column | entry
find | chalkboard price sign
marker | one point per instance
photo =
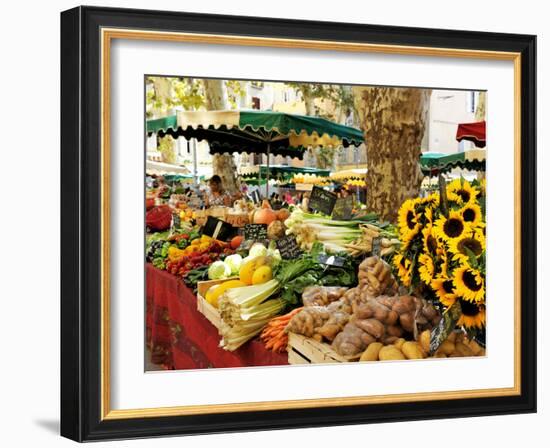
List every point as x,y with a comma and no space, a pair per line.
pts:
343,208
288,247
331,260
321,201
218,229
255,232
445,327
376,246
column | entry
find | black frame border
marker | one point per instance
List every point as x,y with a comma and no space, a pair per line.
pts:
81,223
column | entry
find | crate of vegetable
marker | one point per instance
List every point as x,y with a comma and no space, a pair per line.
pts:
304,350
207,290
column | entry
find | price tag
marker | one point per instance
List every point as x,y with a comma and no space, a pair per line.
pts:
376,246
331,260
343,208
256,196
321,201
218,229
288,247
445,327
255,232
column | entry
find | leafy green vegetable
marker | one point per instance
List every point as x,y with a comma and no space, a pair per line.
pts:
297,274
159,263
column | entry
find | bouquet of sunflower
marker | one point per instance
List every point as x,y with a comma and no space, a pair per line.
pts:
442,255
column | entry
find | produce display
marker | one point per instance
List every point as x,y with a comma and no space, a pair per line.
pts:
362,289
354,237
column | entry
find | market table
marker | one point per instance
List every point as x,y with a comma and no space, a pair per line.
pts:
182,338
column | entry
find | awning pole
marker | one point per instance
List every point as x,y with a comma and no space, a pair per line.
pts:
195,169
267,174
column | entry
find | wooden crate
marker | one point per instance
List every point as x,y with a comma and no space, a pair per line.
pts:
207,310
302,350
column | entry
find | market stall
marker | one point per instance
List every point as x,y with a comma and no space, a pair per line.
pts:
259,132
435,163
473,132
304,284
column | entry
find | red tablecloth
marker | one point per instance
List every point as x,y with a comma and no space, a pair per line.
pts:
182,338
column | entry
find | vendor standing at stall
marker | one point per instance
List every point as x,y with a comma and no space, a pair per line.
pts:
216,196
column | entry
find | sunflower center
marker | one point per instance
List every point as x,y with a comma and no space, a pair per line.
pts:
470,244
470,281
469,215
448,286
464,195
468,308
410,220
453,227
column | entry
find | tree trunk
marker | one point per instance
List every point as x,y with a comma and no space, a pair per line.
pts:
393,121
222,164
481,106
309,102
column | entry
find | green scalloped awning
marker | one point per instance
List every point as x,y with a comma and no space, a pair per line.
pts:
434,163
285,172
255,131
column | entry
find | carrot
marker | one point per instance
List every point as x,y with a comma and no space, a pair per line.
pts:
280,344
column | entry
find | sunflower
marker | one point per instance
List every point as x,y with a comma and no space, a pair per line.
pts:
473,314
443,257
472,243
426,269
430,243
452,227
469,283
483,187
471,213
444,290
408,220
403,266
461,192
431,200
428,215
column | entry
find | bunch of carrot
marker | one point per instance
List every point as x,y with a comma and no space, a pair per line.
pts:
274,336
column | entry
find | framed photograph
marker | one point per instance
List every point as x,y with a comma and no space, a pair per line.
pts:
278,224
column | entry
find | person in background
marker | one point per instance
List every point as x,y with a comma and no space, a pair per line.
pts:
341,191
216,196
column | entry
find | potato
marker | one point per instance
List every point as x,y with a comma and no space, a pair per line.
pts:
407,322
447,347
424,340
394,330
411,350
390,340
367,339
372,326
392,317
463,349
381,313
390,353
403,305
476,348
399,343
452,337
439,355
482,352
371,353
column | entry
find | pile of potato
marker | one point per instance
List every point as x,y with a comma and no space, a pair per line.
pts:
456,345
321,322
322,295
384,319
375,278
